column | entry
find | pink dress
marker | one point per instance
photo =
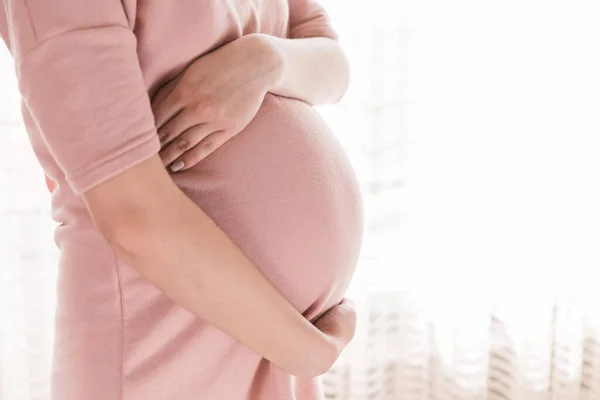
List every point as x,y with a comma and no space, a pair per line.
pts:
282,189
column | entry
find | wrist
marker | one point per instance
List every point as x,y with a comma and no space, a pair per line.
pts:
269,61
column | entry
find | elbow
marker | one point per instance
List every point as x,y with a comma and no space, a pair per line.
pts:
135,244
116,237
337,81
317,363
343,76
107,228
123,232
345,72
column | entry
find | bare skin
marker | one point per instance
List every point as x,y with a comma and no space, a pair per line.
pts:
164,235
218,95
172,243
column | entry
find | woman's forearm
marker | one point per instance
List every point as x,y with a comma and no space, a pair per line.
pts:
314,70
176,246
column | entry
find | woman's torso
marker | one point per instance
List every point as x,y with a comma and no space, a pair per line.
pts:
282,189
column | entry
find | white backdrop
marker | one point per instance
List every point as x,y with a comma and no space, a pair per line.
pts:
474,127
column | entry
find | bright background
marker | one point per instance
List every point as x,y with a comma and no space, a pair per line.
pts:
475,130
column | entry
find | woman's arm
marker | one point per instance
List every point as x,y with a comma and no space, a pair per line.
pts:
308,65
313,66
84,94
314,70
173,244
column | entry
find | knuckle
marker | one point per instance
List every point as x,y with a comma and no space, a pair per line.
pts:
210,111
222,115
183,144
208,145
163,136
198,107
205,109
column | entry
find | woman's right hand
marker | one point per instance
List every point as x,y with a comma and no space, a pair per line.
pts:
339,323
213,99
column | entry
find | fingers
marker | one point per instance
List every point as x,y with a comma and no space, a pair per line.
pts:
347,314
344,306
345,309
166,109
184,143
340,321
200,151
177,126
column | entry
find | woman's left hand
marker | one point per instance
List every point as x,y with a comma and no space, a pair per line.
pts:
212,100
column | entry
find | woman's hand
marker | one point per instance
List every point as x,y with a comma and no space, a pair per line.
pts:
339,324
213,99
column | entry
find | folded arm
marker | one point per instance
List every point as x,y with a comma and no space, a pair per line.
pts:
82,85
175,245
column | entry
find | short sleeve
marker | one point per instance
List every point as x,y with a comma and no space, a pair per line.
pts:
308,18
82,85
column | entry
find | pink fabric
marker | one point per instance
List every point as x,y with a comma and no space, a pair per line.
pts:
282,189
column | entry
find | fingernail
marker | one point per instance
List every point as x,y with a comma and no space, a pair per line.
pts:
176,166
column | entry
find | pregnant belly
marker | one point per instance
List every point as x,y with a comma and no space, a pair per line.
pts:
285,193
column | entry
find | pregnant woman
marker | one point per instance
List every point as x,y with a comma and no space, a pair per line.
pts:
206,213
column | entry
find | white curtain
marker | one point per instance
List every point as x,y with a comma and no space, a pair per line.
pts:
472,344
474,128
